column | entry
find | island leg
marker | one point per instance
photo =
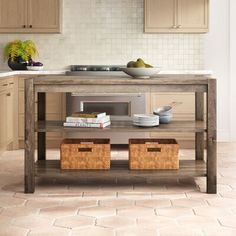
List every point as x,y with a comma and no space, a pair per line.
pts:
41,117
199,116
211,138
29,137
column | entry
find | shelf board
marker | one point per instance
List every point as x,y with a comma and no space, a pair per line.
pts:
119,168
124,126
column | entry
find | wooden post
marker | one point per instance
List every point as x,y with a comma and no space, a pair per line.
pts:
29,137
211,138
41,117
199,115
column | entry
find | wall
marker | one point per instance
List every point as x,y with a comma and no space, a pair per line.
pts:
216,57
111,32
232,82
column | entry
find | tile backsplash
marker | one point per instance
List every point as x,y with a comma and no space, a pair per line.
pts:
110,32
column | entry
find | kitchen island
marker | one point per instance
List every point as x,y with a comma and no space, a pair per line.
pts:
200,85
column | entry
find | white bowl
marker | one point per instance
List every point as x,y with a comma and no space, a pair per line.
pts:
163,111
141,73
35,68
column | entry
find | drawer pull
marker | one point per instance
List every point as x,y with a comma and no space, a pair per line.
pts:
4,85
8,94
154,149
84,149
12,83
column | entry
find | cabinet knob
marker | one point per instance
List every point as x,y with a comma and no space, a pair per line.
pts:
8,94
31,26
4,85
24,26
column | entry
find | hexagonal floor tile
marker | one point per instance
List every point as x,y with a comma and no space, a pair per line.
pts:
80,203
19,211
12,231
212,211
52,231
180,231
219,231
58,211
33,221
155,222
175,212
92,231
6,201
154,203
136,231
198,221
228,221
98,211
117,203
44,203
115,222
189,202
136,211
222,202
74,221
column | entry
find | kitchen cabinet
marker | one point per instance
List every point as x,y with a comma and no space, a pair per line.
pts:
30,16
6,111
188,168
176,16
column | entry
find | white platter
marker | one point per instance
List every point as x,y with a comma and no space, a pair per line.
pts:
35,68
141,73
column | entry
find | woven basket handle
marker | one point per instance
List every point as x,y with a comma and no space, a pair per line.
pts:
84,149
156,149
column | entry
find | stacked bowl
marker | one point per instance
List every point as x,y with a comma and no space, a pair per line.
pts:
145,120
164,113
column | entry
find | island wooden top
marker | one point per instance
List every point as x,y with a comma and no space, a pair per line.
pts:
124,80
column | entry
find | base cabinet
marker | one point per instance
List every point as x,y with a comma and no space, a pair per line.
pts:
6,113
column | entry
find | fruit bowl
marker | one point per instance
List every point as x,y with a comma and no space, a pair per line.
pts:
141,73
35,68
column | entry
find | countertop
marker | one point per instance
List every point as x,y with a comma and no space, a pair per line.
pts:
62,72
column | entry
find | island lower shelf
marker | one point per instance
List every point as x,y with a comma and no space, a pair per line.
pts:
124,126
119,168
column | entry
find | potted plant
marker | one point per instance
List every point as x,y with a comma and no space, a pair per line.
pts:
19,54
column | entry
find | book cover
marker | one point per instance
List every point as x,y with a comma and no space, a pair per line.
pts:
86,125
89,115
88,120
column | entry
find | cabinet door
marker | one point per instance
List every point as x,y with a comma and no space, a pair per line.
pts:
2,120
44,15
9,115
192,15
12,15
160,15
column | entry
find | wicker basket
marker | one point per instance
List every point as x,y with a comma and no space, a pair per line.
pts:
149,154
85,154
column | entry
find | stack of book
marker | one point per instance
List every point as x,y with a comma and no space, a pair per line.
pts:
88,120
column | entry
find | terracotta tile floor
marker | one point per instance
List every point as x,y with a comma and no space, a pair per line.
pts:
118,207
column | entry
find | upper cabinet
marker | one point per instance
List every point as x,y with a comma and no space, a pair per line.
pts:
176,16
30,16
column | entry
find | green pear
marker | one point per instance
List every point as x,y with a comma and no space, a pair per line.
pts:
148,66
130,64
139,64
140,60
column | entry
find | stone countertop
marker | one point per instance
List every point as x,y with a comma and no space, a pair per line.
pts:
62,72
27,72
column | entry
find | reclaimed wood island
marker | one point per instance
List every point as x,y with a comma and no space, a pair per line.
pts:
199,85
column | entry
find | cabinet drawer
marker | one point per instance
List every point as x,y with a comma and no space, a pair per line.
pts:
183,104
